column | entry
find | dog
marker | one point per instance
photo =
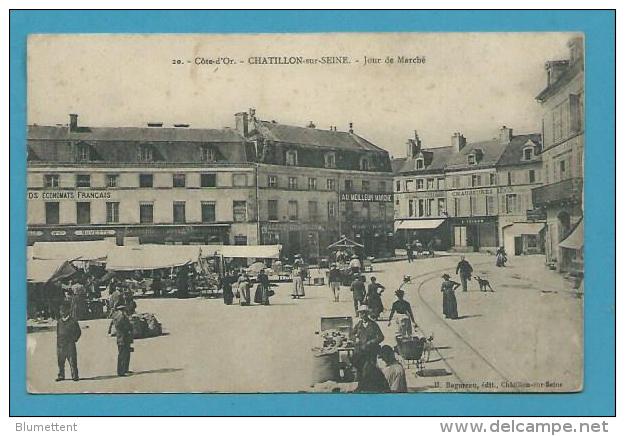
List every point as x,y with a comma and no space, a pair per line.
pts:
484,284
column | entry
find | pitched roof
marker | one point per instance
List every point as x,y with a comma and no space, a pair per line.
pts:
314,137
513,153
491,152
397,163
119,144
566,77
440,157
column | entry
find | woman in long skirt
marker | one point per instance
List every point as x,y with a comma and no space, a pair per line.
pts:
450,306
298,282
244,290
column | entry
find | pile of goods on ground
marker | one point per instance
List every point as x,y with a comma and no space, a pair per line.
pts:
331,341
144,325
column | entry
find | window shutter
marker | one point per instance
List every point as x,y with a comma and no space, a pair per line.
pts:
574,113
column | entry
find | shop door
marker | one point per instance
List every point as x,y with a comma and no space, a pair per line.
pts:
518,245
473,237
460,236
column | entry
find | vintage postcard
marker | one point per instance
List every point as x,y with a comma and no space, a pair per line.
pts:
331,212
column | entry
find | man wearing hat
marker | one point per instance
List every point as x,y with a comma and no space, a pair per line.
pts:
358,291
124,337
334,278
67,334
367,339
464,270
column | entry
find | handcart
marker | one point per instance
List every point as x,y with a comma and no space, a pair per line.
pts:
414,351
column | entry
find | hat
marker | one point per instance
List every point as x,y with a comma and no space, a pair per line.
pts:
399,292
386,350
354,256
363,308
446,276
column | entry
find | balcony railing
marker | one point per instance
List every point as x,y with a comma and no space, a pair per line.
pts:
570,190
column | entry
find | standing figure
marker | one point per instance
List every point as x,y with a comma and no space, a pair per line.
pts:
124,338
367,339
394,371
157,284
226,286
409,252
244,289
405,317
298,280
501,257
464,270
450,306
373,298
355,265
182,282
358,291
67,334
262,289
115,296
334,278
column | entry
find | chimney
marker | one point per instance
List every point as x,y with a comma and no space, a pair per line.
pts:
458,141
155,124
505,135
351,127
241,119
252,113
413,146
73,122
576,49
555,69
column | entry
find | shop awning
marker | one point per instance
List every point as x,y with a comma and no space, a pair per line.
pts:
42,271
575,241
524,228
153,256
83,250
344,242
243,251
418,224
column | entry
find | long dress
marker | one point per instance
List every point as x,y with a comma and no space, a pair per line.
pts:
298,282
374,301
450,306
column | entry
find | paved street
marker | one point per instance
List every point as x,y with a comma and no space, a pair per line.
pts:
528,331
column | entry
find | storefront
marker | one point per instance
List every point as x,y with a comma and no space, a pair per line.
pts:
474,233
524,238
427,231
377,238
309,240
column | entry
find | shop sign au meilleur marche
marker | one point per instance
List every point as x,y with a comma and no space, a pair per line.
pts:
372,197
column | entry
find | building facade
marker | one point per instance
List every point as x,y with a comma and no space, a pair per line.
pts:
156,184
561,198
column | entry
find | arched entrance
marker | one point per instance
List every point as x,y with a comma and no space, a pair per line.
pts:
564,225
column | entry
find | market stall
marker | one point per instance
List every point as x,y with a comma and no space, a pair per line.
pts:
45,294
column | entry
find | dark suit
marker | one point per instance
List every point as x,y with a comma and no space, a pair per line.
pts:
123,333
67,334
358,293
464,269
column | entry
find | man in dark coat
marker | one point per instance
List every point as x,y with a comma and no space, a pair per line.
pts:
67,334
464,270
358,291
123,334
367,338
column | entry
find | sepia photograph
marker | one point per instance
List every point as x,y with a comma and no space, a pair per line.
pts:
305,213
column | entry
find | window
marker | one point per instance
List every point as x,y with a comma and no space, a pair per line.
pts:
441,207
532,241
441,183
208,154
456,207
364,164
240,240
331,184
472,205
476,180
411,209
179,180
492,179
382,211
208,212
331,210
430,184
330,160
292,182
455,182
51,181
146,180
208,180
562,169
82,153
145,154
575,113
421,207
420,163
313,210
410,185
365,210
239,180
510,178
291,157
52,212
382,186
146,213
349,186
83,180
419,184
528,153
293,210
471,159
239,211
272,210
312,184
365,185
398,186
511,203
179,212
83,213
272,181
112,212
111,180
490,205
531,176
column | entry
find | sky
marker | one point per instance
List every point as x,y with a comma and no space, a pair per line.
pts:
470,82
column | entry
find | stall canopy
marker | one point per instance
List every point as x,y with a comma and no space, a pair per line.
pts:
43,271
344,242
242,251
524,228
149,257
83,250
418,224
575,241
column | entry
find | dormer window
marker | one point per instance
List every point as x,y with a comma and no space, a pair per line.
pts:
330,160
420,163
83,153
471,159
145,153
364,164
291,157
528,153
208,154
